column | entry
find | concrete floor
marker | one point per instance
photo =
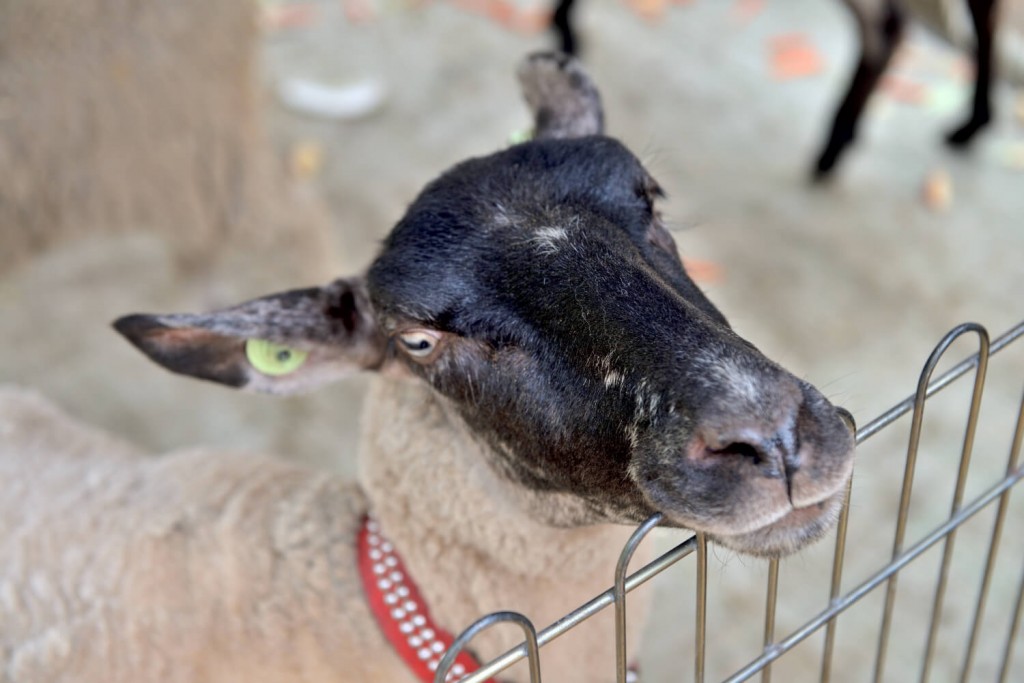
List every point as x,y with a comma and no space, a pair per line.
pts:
849,285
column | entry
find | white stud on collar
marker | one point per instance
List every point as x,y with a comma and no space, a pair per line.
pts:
412,624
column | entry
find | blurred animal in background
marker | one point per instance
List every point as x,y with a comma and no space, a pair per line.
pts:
545,373
134,146
121,118
881,25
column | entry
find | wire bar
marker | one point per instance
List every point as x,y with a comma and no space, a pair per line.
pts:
769,613
620,593
1011,637
944,380
878,578
836,584
993,548
482,624
908,475
958,496
702,608
584,612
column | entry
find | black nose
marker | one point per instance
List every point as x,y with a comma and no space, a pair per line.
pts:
775,450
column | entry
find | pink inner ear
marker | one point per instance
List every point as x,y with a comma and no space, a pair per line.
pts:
177,336
187,340
192,351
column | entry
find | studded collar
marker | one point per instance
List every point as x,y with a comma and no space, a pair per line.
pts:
402,615
400,611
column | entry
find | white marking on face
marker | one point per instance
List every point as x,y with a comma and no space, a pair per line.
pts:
500,217
612,379
642,399
652,403
633,434
647,403
738,382
549,240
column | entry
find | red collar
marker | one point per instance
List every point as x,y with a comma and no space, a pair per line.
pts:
402,615
400,611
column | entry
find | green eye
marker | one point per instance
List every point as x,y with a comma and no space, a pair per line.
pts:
273,359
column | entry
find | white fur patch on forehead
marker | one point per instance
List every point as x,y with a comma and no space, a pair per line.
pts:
549,240
500,216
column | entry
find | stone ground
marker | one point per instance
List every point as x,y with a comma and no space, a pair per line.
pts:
850,285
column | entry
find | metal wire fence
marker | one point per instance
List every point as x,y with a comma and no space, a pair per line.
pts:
837,601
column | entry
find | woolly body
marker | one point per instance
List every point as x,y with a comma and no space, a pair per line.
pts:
220,566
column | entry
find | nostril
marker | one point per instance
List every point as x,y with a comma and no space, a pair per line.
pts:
744,450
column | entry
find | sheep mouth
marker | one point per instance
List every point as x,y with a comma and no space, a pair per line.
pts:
777,528
741,508
794,530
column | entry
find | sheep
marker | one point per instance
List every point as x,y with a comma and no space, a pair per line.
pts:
880,25
545,375
124,117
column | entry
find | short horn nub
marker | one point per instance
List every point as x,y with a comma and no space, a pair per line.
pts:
564,101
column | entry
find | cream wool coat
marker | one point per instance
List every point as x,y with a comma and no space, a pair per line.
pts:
216,566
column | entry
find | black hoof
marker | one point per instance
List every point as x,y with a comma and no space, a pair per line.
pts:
962,136
825,165
842,136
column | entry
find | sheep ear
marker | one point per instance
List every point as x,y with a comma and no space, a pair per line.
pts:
564,100
283,343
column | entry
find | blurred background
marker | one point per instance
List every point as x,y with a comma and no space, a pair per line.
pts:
186,155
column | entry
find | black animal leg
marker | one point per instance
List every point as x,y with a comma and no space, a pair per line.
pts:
983,16
879,39
561,22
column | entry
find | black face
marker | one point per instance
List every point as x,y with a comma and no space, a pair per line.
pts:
538,292
567,333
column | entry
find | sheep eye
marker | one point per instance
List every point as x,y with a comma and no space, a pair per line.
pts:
273,359
418,343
